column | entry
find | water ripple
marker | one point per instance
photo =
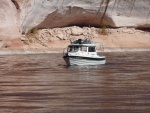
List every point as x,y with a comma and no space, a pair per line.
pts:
44,84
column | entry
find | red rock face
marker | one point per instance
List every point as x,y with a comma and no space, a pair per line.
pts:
20,16
114,13
9,27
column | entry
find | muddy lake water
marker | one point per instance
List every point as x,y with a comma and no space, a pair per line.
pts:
42,83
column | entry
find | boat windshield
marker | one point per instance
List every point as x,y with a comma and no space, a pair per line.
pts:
91,49
73,48
77,48
83,48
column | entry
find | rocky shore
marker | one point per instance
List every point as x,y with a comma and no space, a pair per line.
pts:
56,39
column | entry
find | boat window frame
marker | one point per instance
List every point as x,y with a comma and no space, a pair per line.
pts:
77,48
73,48
82,48
90,49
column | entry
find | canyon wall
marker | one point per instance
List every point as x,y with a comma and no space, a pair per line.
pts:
19,16
9,19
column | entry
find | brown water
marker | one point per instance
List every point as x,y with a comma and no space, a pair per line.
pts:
42,83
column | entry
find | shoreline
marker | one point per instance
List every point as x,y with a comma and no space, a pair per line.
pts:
50,40
24,52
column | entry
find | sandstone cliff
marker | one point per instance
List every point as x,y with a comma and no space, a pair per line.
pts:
9,21
20,16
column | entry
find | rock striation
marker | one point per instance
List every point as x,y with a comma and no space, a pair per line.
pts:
20,16
60,13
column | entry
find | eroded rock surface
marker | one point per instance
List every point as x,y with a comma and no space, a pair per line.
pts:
60,13
122,38
20,16
9,26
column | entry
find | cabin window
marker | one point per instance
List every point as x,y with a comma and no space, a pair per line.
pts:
91,49
76,48
70,48
73,48
83,48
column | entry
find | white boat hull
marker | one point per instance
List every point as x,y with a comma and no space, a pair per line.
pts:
84,60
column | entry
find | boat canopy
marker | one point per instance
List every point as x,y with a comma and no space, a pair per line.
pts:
80,41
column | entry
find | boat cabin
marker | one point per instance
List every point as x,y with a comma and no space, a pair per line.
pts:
82,49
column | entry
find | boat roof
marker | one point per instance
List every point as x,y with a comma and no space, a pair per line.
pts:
85,42
87,45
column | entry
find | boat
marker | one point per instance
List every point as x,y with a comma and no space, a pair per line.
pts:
83,52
